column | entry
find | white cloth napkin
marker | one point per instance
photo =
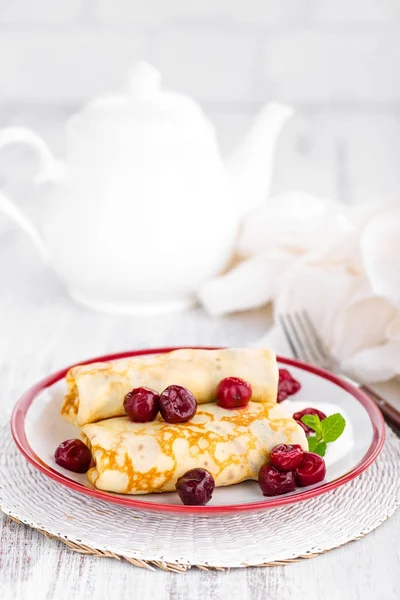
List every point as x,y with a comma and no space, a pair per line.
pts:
340,263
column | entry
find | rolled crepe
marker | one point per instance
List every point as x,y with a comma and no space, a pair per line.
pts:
140,458
96,391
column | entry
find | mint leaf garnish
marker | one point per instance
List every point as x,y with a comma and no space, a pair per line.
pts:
315,446
320,448
332,427
326,431
314,423
312,443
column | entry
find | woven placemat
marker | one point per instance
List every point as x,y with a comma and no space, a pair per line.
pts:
177,542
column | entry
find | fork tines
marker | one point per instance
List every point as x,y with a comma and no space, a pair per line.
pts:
304,340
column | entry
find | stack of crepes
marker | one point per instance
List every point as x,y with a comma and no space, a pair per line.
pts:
337,262
140,458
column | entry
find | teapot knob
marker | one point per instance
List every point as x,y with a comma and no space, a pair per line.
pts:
143,82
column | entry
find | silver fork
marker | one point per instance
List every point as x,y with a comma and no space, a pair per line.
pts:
307,345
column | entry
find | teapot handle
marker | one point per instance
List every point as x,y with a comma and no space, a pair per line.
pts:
51,170
16,215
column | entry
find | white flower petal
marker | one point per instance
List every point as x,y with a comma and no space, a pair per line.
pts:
379,363
338,263
253,283
380,248
361,325
393,330
322,291
294,220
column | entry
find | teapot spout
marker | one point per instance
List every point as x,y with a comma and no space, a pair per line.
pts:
250,166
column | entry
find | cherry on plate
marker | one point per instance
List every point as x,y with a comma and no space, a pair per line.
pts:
287,385
177,404
312,469
308,411
195,487
286,457
73,455
233,392
142,404
273,482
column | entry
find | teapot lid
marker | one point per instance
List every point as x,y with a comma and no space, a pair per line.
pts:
142,105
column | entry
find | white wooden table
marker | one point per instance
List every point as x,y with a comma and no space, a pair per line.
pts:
41,330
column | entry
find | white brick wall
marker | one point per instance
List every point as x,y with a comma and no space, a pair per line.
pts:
357,11
40,12
68,66
218,66
319,67
352,157
337,61
121,12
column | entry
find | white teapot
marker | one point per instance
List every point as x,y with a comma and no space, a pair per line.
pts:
144,208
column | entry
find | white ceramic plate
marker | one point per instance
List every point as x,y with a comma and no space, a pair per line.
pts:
38,429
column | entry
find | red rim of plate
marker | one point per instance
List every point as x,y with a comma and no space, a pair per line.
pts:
19,435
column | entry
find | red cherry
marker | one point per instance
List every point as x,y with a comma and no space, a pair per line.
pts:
273,482
308,411
142,405
73,455
286,457
287,385
282,395
312,469
195,487
233,392
177,404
